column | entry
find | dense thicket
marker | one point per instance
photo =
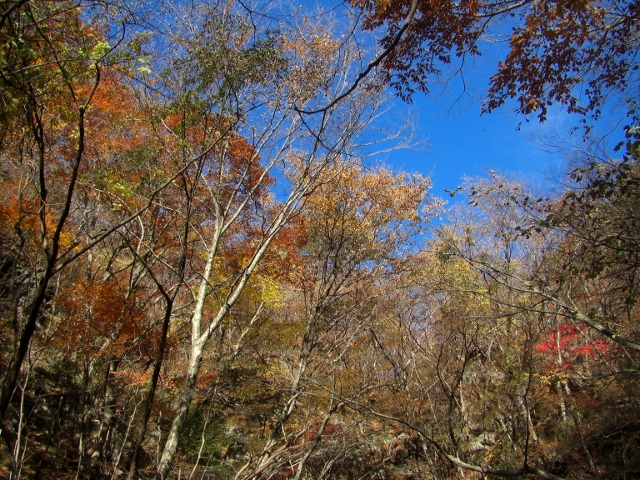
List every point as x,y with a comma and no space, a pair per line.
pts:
201,277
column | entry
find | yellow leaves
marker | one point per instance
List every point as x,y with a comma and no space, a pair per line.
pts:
66,239
99,50
272,293
551,377
493,453
316,43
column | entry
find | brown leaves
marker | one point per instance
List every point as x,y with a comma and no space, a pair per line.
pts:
311,55
440,30
570,53
561,47
373,213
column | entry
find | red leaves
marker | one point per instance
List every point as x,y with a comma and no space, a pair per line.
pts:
330,430
572,343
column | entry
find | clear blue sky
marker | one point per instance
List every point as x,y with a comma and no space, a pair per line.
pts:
464,143
461,142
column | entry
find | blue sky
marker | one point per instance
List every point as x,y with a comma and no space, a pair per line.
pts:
458,140
464,143
461,142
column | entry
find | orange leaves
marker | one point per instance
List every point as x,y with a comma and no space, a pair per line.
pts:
113,123
92,314
244,164
284,260
369,202
133,378
361,221
92,310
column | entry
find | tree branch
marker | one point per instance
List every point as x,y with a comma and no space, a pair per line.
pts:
372,65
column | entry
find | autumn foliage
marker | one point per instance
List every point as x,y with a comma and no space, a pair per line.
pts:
203,275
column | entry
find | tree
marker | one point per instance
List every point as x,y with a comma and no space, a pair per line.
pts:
240,78
180,204
574,54
563,287
598,216
468,370
51,70
359,225
199,272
